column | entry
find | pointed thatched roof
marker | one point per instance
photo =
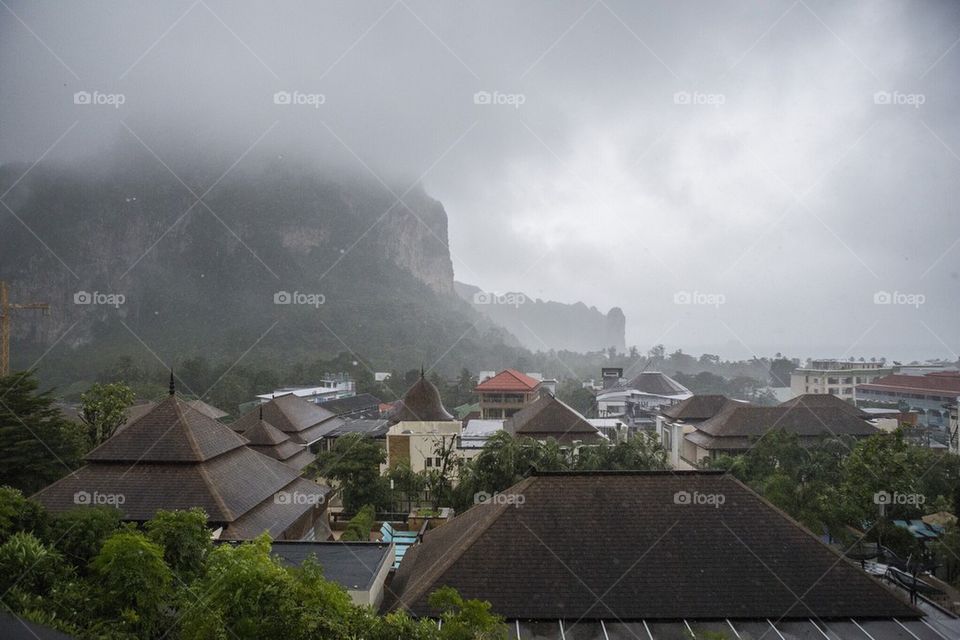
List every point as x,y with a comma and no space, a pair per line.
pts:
421,403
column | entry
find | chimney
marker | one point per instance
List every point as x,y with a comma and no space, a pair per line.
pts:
611,376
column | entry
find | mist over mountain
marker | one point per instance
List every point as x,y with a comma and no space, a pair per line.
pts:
280,261
544,324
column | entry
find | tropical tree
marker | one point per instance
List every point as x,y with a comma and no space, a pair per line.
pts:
37,444
185,540
354,463
103,409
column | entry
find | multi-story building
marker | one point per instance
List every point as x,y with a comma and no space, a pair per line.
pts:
420,429
836,377
332,387
929,395
506,393
638,400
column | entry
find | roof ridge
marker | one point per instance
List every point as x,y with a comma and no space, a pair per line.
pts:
181,419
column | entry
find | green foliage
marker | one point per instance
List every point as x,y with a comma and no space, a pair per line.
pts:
28,565
104,408
185,540
249,594
466,619
79,533
19,514
354,463
360,525
132,581
37,445
642,451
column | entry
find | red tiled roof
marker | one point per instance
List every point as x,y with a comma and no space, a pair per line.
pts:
938,383
509,380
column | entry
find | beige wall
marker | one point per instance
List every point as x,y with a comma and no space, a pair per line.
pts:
420,442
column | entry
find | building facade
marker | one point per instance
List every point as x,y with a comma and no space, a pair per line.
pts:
506,393
928,395
836,377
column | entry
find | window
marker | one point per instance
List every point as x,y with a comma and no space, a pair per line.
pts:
428,462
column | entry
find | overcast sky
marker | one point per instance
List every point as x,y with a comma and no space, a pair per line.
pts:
733,155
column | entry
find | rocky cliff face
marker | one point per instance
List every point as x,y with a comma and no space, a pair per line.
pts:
121,250
540,325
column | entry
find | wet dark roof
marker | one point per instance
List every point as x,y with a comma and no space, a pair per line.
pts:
421,403
304,421
799,419
548,417
171,431
353,565
369,428
177,458
652,382
698,407
268,440
361,402
824,400
638,545
13,627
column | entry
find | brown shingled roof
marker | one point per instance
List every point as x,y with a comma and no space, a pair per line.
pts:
421,403
175,457
800,419
268,440
548,417
621,545
304,421
698,407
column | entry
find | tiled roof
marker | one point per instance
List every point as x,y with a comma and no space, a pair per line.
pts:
268,440
177,458
548,417
304,421
358,402
698,407
369,428
171,431
936,383
352,565
421,403
509,380
652,382
274,516
631,546
824,400
800,419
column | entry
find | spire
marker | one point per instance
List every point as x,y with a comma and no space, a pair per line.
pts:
261,411
422,373
173,385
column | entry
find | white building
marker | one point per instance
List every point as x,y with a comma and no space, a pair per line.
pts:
331,389
836,377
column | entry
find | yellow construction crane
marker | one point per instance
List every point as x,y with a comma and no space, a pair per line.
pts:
5,309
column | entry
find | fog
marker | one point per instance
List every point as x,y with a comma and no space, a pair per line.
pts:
740,178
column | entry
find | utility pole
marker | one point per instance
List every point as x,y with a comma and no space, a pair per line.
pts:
5,309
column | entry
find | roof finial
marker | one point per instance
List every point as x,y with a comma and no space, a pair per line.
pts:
173,384
422,372
261,411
